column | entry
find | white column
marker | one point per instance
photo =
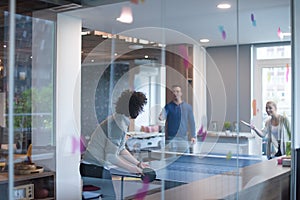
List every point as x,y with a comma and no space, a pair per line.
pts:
68,184
199,90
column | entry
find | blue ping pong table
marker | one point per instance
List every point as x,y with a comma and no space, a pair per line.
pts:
187,168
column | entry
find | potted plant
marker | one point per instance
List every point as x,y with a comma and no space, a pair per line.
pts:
288,151
33,110
288,143
227,126
32,101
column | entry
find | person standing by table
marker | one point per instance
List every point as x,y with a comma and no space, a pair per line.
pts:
107,144
179,122
276,130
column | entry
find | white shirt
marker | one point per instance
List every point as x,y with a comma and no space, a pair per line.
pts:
107,141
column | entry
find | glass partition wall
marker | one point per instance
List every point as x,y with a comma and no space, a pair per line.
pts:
73,59
27,86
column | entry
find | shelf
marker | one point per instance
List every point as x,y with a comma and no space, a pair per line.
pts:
39,180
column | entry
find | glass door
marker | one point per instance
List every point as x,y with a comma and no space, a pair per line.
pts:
271,80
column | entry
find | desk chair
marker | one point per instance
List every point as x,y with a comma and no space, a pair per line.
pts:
90,192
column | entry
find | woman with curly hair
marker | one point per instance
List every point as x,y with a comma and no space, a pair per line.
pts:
107,144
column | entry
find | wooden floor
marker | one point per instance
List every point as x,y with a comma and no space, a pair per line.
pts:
134,188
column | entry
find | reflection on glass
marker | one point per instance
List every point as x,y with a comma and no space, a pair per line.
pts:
276,86
214,126
234,126
33,98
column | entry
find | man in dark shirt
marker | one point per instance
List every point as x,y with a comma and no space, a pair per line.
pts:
179,121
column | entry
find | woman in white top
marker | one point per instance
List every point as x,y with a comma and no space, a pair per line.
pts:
276,130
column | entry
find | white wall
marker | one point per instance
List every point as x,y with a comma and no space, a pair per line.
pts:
221,79
68,74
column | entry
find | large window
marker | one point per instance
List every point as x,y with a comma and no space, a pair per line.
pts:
74,58
272,78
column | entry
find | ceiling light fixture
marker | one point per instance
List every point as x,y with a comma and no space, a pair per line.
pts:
224,6
126,16
161,45
204,40
135,46
141,41
85,32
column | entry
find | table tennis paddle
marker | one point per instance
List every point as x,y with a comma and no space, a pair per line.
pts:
148,175
247,124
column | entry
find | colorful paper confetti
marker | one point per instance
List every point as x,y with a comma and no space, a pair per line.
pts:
78,145
142,192
75,144
268,76
253,21
223,32
83,144
200,131
287,72
221,28
183,51
204,136
254,107
279,33
134,1
137,1
229,155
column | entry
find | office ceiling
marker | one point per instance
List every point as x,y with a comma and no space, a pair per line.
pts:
177,21
168,22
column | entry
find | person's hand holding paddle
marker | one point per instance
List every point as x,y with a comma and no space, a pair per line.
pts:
148,175
249,125
258,132
138,169
142,165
